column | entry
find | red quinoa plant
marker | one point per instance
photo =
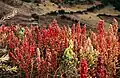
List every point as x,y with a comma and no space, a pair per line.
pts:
39,51
84,68
106,42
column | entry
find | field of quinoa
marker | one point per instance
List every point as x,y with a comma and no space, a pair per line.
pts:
59,39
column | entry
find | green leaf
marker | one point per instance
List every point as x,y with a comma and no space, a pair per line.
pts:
21,32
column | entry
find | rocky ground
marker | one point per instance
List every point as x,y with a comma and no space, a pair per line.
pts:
29,13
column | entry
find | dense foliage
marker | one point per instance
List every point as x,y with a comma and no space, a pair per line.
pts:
72,1
63,51
115,3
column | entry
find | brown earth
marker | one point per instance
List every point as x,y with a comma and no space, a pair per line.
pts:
18,12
